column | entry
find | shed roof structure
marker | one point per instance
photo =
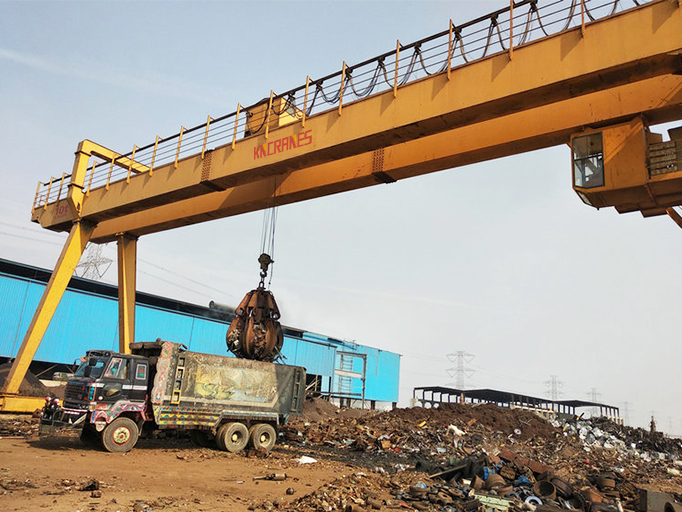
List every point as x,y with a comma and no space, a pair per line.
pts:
430,396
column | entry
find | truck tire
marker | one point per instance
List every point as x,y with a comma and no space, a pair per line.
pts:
120,436
219,437
263,436
232,437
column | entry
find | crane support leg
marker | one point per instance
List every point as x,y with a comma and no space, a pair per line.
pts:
71,254
674,216
127,263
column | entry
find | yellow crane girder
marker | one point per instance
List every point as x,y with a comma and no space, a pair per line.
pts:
528,130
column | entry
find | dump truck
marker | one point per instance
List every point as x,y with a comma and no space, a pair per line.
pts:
221,401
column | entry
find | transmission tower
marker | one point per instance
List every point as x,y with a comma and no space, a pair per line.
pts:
95,265
594,397
460,371
594,394
553,388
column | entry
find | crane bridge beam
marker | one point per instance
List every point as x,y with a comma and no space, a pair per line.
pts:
537,128
550,71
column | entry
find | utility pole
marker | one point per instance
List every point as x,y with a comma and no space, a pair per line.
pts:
553,388
460,371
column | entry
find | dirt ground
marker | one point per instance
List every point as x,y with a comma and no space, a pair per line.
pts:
360,457
158,474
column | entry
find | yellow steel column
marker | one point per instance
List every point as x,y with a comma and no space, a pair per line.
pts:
674,216
127,262
71,254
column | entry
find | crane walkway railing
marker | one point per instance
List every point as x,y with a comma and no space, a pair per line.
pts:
501,31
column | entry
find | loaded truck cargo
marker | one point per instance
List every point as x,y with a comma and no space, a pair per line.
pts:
221,401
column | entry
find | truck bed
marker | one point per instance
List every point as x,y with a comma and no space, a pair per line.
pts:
197,389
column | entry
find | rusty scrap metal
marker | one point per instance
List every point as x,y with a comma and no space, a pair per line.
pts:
255,332
276,477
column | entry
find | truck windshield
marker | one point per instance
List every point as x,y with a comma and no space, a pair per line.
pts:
92,367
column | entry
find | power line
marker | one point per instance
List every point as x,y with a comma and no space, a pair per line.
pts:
182,277
29,238
480,369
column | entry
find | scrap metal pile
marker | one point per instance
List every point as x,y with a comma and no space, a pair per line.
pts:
465,458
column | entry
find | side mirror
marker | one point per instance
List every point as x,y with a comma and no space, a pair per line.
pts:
92,361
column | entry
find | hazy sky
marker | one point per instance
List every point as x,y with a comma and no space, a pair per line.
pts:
500,259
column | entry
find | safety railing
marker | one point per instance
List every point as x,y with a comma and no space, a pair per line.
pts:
501,31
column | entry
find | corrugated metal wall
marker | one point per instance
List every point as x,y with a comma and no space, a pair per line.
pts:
86,320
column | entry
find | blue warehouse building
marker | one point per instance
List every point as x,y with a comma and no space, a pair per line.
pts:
87,318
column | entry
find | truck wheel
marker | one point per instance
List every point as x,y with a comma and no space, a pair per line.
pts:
219,437
263,436
232,437
120,436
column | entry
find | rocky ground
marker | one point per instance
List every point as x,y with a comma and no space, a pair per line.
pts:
458,457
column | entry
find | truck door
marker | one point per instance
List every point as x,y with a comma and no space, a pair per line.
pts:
140,374
115,380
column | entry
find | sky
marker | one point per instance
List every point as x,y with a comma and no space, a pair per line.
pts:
500,260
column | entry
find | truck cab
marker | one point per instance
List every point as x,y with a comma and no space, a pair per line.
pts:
107,385
108,377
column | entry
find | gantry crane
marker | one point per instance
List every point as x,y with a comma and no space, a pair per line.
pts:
496,86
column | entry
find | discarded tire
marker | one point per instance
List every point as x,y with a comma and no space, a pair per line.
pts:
545,490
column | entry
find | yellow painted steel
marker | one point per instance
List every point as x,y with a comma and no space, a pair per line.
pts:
16,403
571,65
537,128
674,216
488,108
71,253
127,263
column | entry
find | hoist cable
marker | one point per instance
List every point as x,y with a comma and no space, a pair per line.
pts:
269,226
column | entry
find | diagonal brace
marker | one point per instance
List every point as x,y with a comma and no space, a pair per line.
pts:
71,254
